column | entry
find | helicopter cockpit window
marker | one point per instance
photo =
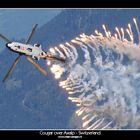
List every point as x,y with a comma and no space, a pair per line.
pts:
29,49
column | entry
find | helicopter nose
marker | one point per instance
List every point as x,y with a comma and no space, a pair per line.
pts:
8,45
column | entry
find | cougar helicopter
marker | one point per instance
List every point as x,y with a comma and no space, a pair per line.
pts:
31,52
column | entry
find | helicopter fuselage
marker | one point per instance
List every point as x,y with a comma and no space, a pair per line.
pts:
35,51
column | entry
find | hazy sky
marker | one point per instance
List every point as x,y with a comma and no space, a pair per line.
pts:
17,23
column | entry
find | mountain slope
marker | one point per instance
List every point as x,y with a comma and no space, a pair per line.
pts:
30,100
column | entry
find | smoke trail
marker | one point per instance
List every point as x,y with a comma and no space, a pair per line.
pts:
102,76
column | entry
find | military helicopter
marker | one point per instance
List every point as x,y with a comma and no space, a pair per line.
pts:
30,51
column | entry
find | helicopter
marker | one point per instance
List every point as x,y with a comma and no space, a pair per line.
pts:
31,52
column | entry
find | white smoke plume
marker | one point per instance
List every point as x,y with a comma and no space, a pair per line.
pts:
102,77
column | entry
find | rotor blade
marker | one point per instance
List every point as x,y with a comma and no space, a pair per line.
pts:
36,65
31,34
12,67
5,38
